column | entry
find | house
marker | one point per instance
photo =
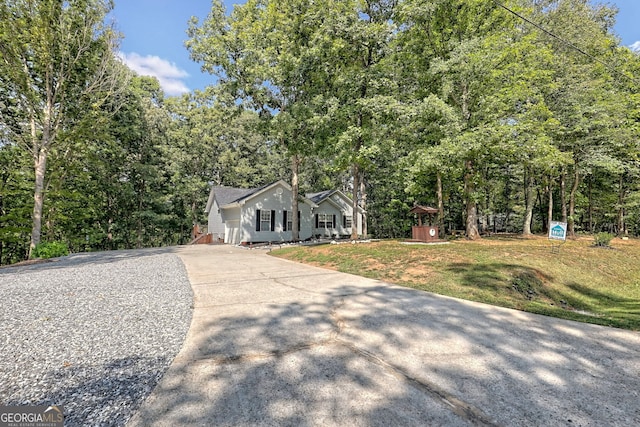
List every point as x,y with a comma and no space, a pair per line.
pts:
334,215
264,214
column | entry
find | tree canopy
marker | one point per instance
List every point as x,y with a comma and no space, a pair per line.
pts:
504,115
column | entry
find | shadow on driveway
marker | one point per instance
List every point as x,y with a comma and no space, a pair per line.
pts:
277,343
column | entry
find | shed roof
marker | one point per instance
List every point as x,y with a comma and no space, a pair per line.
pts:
423,210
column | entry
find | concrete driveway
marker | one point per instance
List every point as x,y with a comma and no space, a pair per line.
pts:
278,343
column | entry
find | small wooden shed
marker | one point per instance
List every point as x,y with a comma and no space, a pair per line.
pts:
424,231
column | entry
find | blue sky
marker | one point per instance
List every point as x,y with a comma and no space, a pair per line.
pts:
155,30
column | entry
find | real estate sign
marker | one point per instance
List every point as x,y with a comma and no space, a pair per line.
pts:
558,231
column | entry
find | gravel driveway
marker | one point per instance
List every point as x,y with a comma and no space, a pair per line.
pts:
91,332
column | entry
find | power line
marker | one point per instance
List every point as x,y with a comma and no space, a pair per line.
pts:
568,43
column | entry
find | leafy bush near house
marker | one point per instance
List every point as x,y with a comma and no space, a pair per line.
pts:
50,250
602,239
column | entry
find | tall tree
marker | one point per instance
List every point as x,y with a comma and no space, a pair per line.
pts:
363,85
450,57
210,142
53,55
581,99
265,54
14,203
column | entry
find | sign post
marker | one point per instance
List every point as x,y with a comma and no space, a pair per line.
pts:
557,232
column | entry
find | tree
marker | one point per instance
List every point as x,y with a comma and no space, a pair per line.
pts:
266,53
53,55
210,142
449,54
14,202
363,86
580,96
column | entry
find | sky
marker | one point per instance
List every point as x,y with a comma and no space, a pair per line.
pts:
155,31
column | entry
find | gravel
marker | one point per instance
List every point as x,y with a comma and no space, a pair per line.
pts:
91,332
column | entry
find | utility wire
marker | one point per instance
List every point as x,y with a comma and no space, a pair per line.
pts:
568,43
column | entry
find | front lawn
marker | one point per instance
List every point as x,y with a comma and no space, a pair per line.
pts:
580,282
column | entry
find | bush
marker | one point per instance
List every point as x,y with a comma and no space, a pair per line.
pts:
50,250
602,239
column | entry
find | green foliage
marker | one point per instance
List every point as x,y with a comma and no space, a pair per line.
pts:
602,239
58,64
47,250
455,102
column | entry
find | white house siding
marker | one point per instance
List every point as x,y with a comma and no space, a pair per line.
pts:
327,208
306,221
232,227
338,206
276,199
216,225
347,208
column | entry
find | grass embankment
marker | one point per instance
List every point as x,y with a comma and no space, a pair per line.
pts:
580,282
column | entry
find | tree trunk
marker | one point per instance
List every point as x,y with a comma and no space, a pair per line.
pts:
139,223
469,186
621,196
528,201
356,186
363,205
550,207
572,204
295,166
440,206
472,213
507,198
590,204
563,196
543,218
40,166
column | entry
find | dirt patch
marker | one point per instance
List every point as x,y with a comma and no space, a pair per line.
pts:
374,264
416,273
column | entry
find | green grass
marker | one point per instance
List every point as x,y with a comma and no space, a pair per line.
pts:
581,282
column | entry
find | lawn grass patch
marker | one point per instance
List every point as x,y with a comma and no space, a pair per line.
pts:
582,282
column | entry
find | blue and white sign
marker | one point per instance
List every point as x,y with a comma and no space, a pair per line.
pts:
558,231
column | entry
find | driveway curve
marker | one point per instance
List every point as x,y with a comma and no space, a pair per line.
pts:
273,342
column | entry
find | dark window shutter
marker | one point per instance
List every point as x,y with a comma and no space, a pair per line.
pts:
258,220
298,220
273,220
316,220
334,222
344,220
284,220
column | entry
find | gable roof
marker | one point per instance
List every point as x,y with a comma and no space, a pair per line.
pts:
320,197
227,196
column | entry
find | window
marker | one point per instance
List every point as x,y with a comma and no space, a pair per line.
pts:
325,220
265,220
347,221
288,221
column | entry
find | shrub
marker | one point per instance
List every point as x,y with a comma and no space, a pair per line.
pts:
50,250
602,239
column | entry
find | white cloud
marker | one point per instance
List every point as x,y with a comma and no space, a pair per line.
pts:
635,47
167,73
